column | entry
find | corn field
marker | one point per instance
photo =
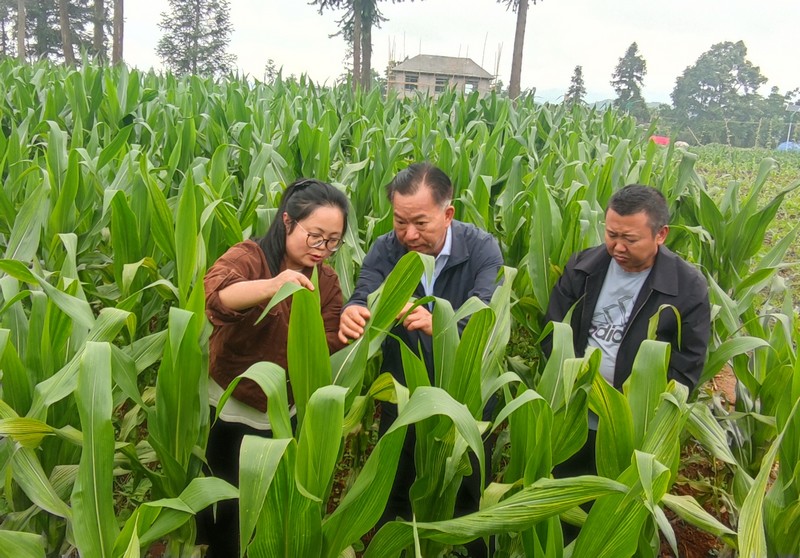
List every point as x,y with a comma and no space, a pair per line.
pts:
120,188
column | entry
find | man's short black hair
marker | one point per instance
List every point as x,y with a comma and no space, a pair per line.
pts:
635,198
408,181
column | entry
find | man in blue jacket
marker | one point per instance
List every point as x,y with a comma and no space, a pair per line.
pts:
467,258
467,262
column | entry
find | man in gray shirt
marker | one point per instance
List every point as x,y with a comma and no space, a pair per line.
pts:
617,287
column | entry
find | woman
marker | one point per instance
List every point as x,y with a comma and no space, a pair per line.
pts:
308,227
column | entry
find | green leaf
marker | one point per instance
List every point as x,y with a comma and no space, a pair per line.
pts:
28,473
751,538
76,308
307,350
23,243
186,239
113,149
25,431
271,378
534,503
94,523
615,429
726,351
14,544
320,440
648,380
258,462
687,508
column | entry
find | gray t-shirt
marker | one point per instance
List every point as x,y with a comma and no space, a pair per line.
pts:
612,312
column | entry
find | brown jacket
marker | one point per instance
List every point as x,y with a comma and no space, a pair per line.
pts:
237,341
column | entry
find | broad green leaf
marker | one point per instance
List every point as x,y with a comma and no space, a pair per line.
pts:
319,441
615,428
258,462
76,308
751,537
543,499
648,380
14,544
94,523
64,382
307,352
27,432
687,508
23,243
28,473
726,351
186,239
271,378
114,147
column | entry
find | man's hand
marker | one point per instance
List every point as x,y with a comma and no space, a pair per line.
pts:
418,320
352,322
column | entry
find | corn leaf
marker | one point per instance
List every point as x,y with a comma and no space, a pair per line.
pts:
14,544
92,499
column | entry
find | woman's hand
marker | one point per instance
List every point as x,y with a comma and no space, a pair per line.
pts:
246,294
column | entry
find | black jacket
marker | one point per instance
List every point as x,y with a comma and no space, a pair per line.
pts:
671,281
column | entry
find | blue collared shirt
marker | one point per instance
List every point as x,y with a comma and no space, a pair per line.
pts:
439,262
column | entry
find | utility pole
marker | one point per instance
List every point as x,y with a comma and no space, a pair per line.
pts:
794,109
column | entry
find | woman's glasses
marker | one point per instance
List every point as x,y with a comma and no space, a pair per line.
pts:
315,240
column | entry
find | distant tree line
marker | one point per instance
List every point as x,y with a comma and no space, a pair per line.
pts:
715,100
60,30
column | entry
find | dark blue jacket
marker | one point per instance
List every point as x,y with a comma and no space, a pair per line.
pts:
471,270
672,281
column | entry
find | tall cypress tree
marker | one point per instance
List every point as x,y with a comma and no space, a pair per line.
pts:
577,89
627,81
196,37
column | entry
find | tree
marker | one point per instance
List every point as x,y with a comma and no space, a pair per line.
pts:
271,71
355,26
7,17
719,84
98,37
719,91
196,37
627,80
577,89
119,28
21,30
520,7
44,27
66,37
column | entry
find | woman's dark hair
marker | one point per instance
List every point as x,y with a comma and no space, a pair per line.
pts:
408,181
301,198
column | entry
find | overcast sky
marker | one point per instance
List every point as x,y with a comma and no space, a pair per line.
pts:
560,34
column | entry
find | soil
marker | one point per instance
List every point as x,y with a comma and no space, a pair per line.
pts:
725,384
698,475
156,550
692,542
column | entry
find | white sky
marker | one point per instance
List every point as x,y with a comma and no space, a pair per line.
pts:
560,34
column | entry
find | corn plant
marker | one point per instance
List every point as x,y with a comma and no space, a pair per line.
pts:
118,188
297,468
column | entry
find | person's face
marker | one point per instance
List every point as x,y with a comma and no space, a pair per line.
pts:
630,240
420,223
324,223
